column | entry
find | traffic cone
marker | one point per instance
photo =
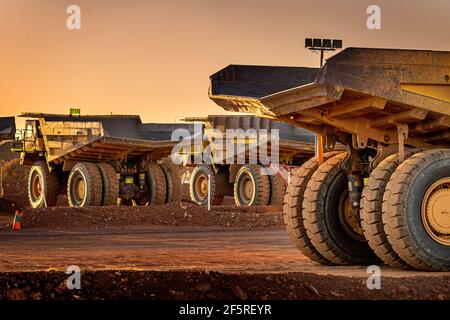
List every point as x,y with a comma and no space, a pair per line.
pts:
16,221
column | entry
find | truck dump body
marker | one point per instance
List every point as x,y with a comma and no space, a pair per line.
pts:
7,128
287,132
293,141
260,81
368,92
102,138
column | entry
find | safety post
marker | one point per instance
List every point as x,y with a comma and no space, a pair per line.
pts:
209,192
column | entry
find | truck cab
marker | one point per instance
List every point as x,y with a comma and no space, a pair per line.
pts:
29,142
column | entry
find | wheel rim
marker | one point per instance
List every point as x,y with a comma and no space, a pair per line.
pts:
349,220
246,190
201,186
79,189
436,211
36,186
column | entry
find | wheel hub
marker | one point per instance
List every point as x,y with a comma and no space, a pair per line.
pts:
36,186
202,186
80,189
349,219
436,211
248,189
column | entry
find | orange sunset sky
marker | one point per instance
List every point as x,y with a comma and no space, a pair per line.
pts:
154,58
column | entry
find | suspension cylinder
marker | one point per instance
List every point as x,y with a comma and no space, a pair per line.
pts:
355,188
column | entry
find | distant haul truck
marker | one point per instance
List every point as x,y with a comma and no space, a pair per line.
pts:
388,197
97,160
7,128
7,131
250,183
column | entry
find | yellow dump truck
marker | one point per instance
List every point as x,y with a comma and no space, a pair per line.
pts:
7,131
252,183
98,160
7,128
387,198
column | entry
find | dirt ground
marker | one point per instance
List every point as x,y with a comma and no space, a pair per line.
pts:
178,285
177,251
176,214
163,262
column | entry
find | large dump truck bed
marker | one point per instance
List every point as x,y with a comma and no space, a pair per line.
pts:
7,128
293,142
366,92
102,138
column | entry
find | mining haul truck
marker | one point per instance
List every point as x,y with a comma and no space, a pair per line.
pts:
98,160
7,128
387,198
7,131
256,183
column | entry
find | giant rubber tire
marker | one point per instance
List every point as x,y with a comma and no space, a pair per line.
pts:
321,217
293,207
261,185
90,174
204,170
371,210
402,204
173,182
157,184
277,189
110,182
50,185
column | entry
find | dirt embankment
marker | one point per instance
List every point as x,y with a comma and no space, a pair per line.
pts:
5,152
155,285
14,181
176,214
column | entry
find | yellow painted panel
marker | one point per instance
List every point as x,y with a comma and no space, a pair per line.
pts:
441,92
129,180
